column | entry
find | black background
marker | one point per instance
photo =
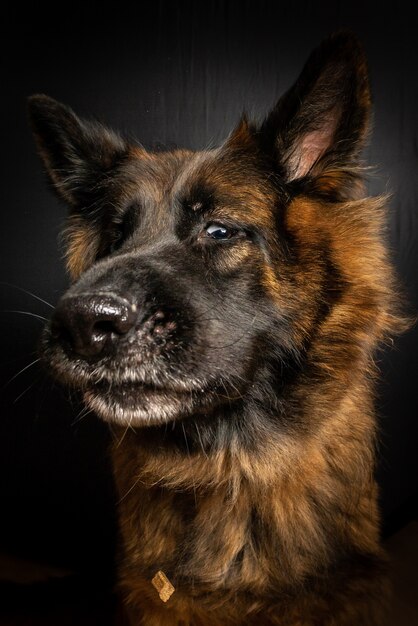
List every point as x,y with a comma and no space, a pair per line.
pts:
171,73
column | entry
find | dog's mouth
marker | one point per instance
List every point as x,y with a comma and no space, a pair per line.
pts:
129,391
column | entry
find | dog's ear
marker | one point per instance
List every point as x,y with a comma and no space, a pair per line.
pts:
320,124
76,153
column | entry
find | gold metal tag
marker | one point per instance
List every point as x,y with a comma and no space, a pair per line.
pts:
163,586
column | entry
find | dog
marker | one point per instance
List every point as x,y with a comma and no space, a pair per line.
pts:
223,315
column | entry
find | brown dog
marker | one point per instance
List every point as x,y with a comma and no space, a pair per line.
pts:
224,313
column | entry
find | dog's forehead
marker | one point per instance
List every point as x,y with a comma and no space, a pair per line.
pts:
218,180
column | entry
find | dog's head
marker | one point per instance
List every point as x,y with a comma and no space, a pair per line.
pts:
202,280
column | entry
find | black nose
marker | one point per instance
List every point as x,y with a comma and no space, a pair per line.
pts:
91,323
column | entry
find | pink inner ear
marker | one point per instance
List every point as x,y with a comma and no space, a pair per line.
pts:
311,146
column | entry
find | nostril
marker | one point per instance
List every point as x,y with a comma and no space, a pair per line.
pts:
104,327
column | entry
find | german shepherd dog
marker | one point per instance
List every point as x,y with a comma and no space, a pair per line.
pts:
224,312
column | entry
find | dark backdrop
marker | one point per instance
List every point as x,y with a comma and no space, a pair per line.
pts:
174,73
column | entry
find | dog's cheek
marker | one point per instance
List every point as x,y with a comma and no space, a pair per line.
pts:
293,289
82,245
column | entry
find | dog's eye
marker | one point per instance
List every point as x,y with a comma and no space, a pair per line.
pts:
219,232
116,242
124,228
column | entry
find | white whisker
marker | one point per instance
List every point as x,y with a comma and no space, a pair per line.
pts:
21,372
25,391
124,434
81,415
28,292
41,317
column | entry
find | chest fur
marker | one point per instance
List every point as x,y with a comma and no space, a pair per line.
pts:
231,544
221,538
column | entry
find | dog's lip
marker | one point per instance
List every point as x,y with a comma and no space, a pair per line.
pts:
132,376
108,387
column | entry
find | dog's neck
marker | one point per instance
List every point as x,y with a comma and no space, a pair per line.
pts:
194,499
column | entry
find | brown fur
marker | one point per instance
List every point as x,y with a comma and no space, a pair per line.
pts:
278,526
304,494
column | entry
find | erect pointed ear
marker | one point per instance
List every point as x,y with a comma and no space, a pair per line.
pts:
321,123
76,153
243,135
